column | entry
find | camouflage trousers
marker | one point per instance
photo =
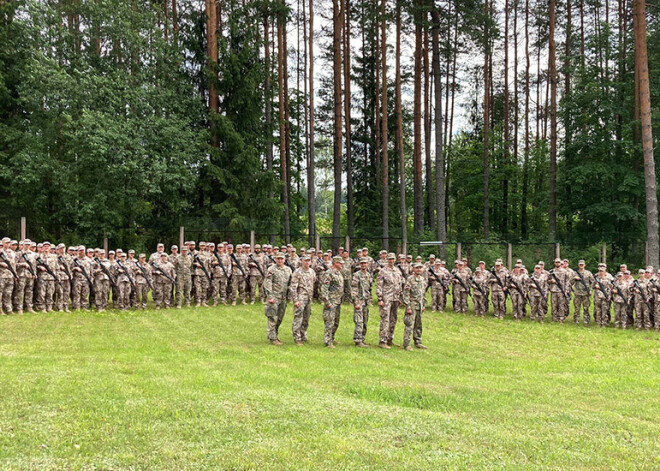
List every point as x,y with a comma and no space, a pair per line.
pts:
559,306
63,293
201,288
460,300
6,294
620,315
45,295
630,314
582,302
480,304
257,280
331,315
539,307
80,293
141,295
162,293
519,304
346,298
101,293
412,325
183,287
388,319
275,314
438,297
601,311
23,294
124,295
360,318
301,320
499,304
643,318
219,289
238,283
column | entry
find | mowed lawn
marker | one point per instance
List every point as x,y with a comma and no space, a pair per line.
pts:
203,389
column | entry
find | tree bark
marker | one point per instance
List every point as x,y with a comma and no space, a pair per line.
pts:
441,223
430,194
384,146
417,124
552,76
486,119
347,117
525,169
399,129
505,181
311,190
642,73
337,30
284,168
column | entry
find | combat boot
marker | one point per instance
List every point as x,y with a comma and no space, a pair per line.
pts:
407,348
421,346
384,345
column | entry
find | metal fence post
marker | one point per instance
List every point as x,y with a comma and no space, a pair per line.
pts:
557,250
105,245
252,241
182,235
459,252
509,255
318,243
347,244
23,228
604,253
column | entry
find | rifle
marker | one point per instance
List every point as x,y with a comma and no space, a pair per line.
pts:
460,280
201,265
157,267
602,288
145,275
238,264
40,261
641,292
29,265
66,269
561,287
130,278
403,274
325,267
619,292
257,264
4,258
438,279
538,287
83,271
519,289
222,265
476,285
104,269
584,282
499,282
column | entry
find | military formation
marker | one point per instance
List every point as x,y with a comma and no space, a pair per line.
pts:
47,277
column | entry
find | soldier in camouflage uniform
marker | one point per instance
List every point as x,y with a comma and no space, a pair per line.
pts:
7,277
257,267
302,292
582,298
619,299
602,298
162,284
559,294
199,278
239,275
347,273
642,309
123,280
25,268
388,292
498,293
46,293
332,290
276,286
480,300
414,301
630,308
81,285
361,296
101,281
183,268
459,293
221,272
64,273
142,276
156,256
538,295
518,300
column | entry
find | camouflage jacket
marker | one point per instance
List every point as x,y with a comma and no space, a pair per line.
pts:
578,287
5,272
168,268
302,285
277,282
414,293
183,266
361,288
388,286
332,287
51,261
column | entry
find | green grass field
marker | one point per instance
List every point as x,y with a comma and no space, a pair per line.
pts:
203,389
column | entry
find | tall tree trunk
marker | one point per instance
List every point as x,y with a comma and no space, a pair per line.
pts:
311,191
515,91
284,168
212,54
347,117
430,194
486,119
417,123
441,223
399,129
507,136
525,185
384,140
642,76
552,75
287,124
337,29
268,99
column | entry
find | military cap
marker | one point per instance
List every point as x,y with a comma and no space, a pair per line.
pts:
40,244
279,255
112,252
257,246
102,251
293,249
481,262
391,256
202,244
160,244
498,262
14,242
518,265
163,255
557,260
641,271
438,262
33,244
27,241
305,257
210,244
650,270
184,248
90,250
133,251
519,261
364,248
601,265
174,247
477,270
364,260
337,258
460,262
418,265
382,251
61,246
431,256
119,251
122,255
44,243
341,248
619,274
142,255
581,262
5,240
537,266
565,260
402,255
419,257
312,250
328,252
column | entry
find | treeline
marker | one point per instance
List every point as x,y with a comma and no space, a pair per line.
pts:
381,119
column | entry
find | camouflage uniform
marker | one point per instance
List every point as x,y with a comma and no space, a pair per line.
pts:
559,307
7,281
141,284
101,284
63,287
276,286
81,285
302,291
620,290
414,299
498,295
388,291
256,278
361,296
238,280
183,267
199,277
163,286
518,300
643,319
582,298
220,278
331,292
538,299
46,291
347,273
459,293
23,293
602,302
480,300
438,291
123,286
